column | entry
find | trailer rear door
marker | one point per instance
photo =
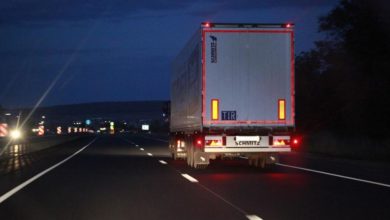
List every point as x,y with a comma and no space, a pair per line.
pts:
248,77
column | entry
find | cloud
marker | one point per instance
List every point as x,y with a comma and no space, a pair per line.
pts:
32,11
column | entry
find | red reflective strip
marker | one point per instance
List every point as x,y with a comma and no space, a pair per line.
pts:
250,31
203,75
292,116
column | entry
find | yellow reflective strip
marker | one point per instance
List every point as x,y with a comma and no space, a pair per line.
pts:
215,107
282,109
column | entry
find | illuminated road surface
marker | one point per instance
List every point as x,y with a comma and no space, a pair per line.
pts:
132,177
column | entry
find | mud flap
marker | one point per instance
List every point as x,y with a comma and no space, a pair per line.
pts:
201,159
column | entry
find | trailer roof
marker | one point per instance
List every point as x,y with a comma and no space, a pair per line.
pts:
246,25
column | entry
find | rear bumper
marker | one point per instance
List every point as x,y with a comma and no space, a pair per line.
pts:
245,150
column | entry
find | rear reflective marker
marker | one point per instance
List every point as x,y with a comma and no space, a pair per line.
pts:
282,109
214,109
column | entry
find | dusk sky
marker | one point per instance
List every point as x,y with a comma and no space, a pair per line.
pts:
118,50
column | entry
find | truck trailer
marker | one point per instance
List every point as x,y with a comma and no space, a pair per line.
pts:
232,94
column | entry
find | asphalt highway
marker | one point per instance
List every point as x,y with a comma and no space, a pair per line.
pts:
133,177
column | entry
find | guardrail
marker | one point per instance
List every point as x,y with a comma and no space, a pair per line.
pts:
32,144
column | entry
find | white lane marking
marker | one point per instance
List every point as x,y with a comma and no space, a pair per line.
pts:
190,178
137,145
149,154
162,162
242,157
223,199
142,149
156,139
253,217
335,175
32,179
130,142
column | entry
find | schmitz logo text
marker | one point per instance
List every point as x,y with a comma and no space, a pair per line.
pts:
213,46
247,140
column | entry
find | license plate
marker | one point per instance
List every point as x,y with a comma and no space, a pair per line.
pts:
247,140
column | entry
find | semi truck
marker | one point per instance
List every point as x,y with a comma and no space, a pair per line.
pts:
232,94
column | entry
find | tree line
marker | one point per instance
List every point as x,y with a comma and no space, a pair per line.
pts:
343,84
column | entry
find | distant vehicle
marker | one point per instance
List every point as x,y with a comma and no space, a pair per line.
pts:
232,94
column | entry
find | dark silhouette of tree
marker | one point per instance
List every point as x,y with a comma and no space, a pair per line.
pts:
343,84
2,114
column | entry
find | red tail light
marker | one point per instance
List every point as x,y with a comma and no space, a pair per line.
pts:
199,142
296,141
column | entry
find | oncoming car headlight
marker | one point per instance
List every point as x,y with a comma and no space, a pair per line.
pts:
15,134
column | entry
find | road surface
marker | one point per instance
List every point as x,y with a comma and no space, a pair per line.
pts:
133,177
